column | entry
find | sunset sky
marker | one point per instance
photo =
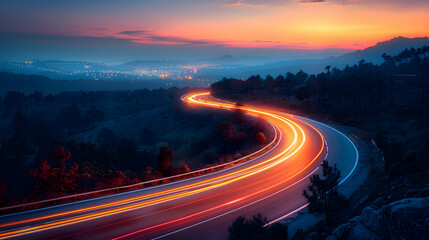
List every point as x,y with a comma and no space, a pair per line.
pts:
180,25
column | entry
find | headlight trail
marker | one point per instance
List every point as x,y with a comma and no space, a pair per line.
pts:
286,148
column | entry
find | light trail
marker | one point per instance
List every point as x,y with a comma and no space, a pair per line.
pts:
295,143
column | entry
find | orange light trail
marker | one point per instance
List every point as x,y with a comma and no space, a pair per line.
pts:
290,150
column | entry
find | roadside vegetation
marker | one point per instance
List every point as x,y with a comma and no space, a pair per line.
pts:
384,105
72,142
388,101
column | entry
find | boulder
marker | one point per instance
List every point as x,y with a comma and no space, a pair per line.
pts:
404,219
370,218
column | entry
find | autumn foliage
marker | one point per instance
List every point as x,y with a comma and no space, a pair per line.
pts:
165,158
53,182
112,179
229,133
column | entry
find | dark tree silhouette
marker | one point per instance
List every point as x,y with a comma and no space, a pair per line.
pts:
52,182
238,116
269,84
93,115
107,136
228,134
279,81
165,158
227,131
148,136
253,82
322,194
113,179
61,156
327,68
256,229
2,192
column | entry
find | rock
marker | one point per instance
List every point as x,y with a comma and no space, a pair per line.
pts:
340,231
359,231
411,193
363,199
404,219
370,218
378,200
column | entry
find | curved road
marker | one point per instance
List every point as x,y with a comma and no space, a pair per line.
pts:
202,207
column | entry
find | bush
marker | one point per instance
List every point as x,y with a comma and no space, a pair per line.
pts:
256,229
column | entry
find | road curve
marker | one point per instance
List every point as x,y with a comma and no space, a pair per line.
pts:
202,207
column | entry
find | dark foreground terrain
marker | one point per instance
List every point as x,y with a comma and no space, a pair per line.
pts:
385,107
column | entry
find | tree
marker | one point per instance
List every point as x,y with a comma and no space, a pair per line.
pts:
148,136
269,84
256,228
322,194
2,192
238,116
301,77
107,136
113,179
13,101
227,131
165,158
69,117
253,82
279,81
61,156
52,182
93,115
327,68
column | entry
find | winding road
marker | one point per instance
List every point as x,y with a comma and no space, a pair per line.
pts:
201,207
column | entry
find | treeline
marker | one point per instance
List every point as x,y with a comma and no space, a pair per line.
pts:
343,93
34,125
92,131
388,99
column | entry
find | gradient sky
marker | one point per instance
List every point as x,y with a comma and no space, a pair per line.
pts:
58,28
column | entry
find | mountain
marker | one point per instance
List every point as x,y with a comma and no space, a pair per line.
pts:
373,54
313,66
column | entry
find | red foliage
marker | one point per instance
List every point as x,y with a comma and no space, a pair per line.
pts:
113,179
225,159
182,169
53,182
165,157
227,130
260,138
61,156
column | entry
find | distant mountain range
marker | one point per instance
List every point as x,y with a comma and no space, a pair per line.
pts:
214,69
391,47
370,54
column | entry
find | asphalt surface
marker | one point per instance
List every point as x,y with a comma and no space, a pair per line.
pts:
202,207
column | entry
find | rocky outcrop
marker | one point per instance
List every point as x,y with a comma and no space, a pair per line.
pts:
404,219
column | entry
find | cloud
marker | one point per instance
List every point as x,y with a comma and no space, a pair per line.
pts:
262,41
245,3
151,37
134,32
312,1
175,40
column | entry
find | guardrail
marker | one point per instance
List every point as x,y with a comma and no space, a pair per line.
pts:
103,192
